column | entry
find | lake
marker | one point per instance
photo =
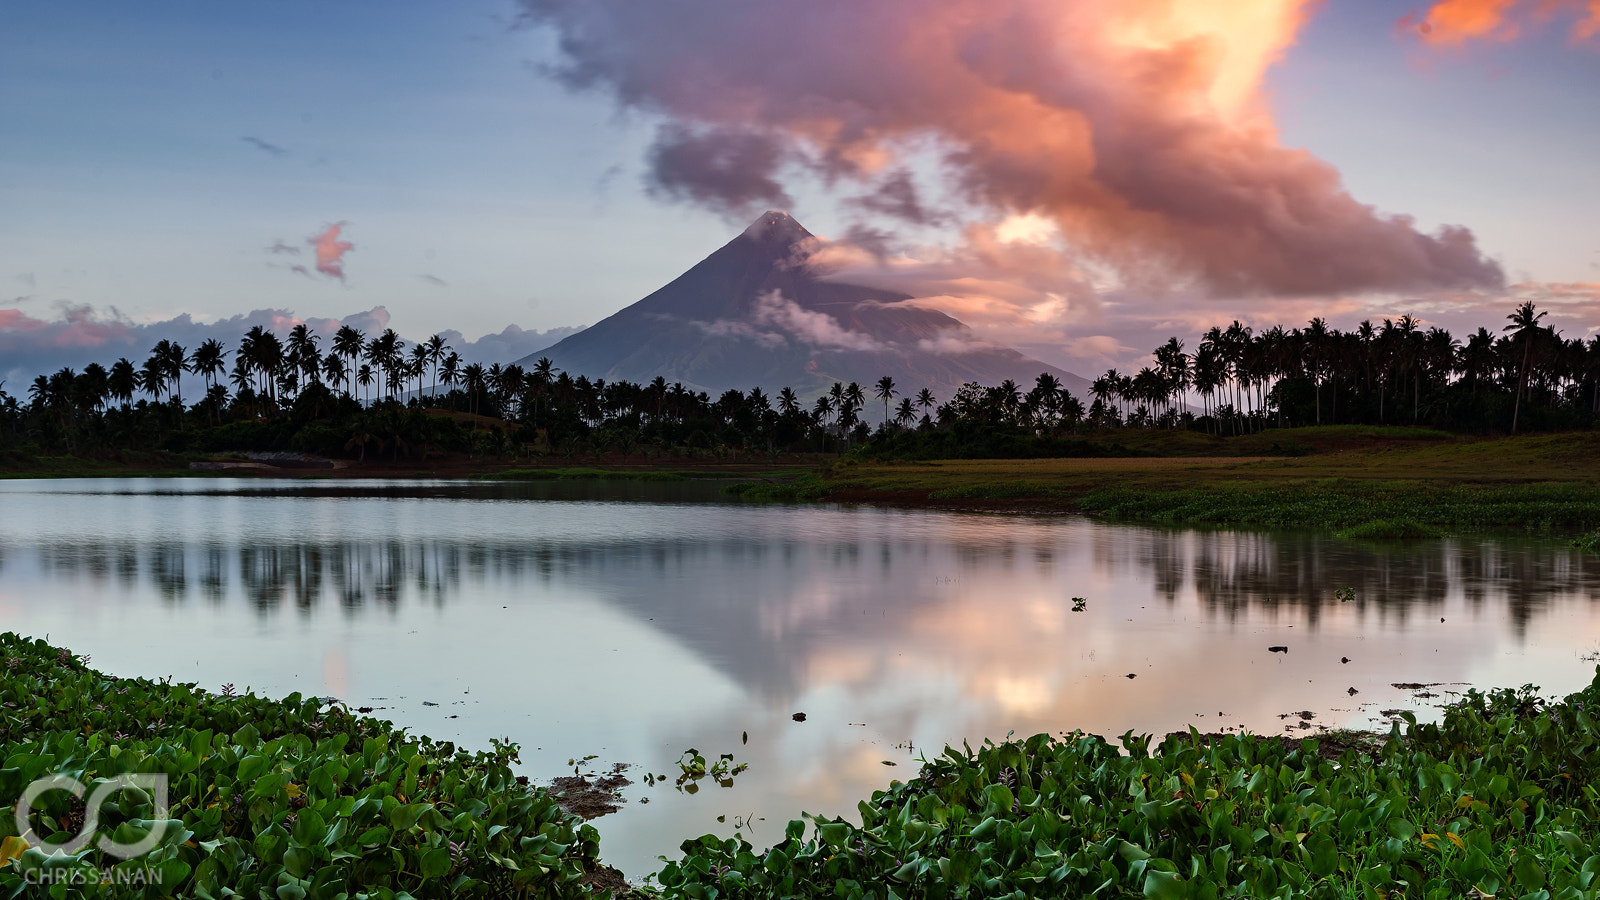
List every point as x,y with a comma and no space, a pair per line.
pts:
634,621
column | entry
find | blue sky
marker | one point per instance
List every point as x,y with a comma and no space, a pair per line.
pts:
479,192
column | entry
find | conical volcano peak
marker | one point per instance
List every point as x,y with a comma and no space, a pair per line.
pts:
777,227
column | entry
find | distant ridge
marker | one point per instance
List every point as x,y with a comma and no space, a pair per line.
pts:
753,315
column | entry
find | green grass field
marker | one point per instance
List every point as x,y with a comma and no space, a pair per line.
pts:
1415,481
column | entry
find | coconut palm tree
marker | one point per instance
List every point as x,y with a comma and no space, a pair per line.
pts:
365,377
348,342
450,371
436,350
905,414
335,370
123,381
884,390
788,402
1525,326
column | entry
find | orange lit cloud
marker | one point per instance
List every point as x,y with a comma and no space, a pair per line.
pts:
1138,128
330,251
1451,23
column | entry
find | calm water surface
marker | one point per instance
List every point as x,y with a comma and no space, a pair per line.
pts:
635,621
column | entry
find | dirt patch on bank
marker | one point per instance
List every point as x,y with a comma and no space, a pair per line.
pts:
591,798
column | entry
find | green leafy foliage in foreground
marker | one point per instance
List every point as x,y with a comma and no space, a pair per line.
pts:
1338,503
1589,543
1498,799
283,799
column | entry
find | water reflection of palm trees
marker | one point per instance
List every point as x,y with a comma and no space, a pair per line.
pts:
1235,572
1231,573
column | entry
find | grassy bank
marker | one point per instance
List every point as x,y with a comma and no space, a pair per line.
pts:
1380,482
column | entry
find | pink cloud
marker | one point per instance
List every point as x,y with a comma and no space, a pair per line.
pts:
330,251
1140,128
1452,23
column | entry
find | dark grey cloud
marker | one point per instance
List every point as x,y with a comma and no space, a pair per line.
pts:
259,144
896,195
732,170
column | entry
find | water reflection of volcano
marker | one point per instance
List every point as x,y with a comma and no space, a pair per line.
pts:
764,607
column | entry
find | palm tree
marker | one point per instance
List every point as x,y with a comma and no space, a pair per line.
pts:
925,400
436,348
348,343
208,361
884,390
472,379
153,377
420,357
1525,324
301,351
335,370
905,414
208,364
123,381
364,377
788,402
450,370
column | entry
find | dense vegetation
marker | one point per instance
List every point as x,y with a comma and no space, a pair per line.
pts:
289,798
1498,799
376,395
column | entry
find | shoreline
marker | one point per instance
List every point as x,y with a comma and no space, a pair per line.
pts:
1389,484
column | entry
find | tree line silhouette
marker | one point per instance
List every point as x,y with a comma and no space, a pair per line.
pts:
377,393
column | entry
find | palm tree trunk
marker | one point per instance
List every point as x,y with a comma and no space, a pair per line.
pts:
1522,378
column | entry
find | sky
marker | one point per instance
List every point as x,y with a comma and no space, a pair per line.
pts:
1078,178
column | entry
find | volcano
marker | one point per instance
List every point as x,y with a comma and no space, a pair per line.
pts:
754,314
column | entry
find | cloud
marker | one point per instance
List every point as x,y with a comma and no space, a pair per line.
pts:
1452,23
731,170
330,251
81,334
258,143
1099,346
279,247
809,326
896,195
1139,127
737,329
434,280
508,345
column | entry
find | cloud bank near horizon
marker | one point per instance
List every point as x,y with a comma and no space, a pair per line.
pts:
1137,128
82,334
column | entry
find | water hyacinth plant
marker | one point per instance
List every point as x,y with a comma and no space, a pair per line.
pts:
267,798
1497,800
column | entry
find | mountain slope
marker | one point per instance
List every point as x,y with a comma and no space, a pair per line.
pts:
752,314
